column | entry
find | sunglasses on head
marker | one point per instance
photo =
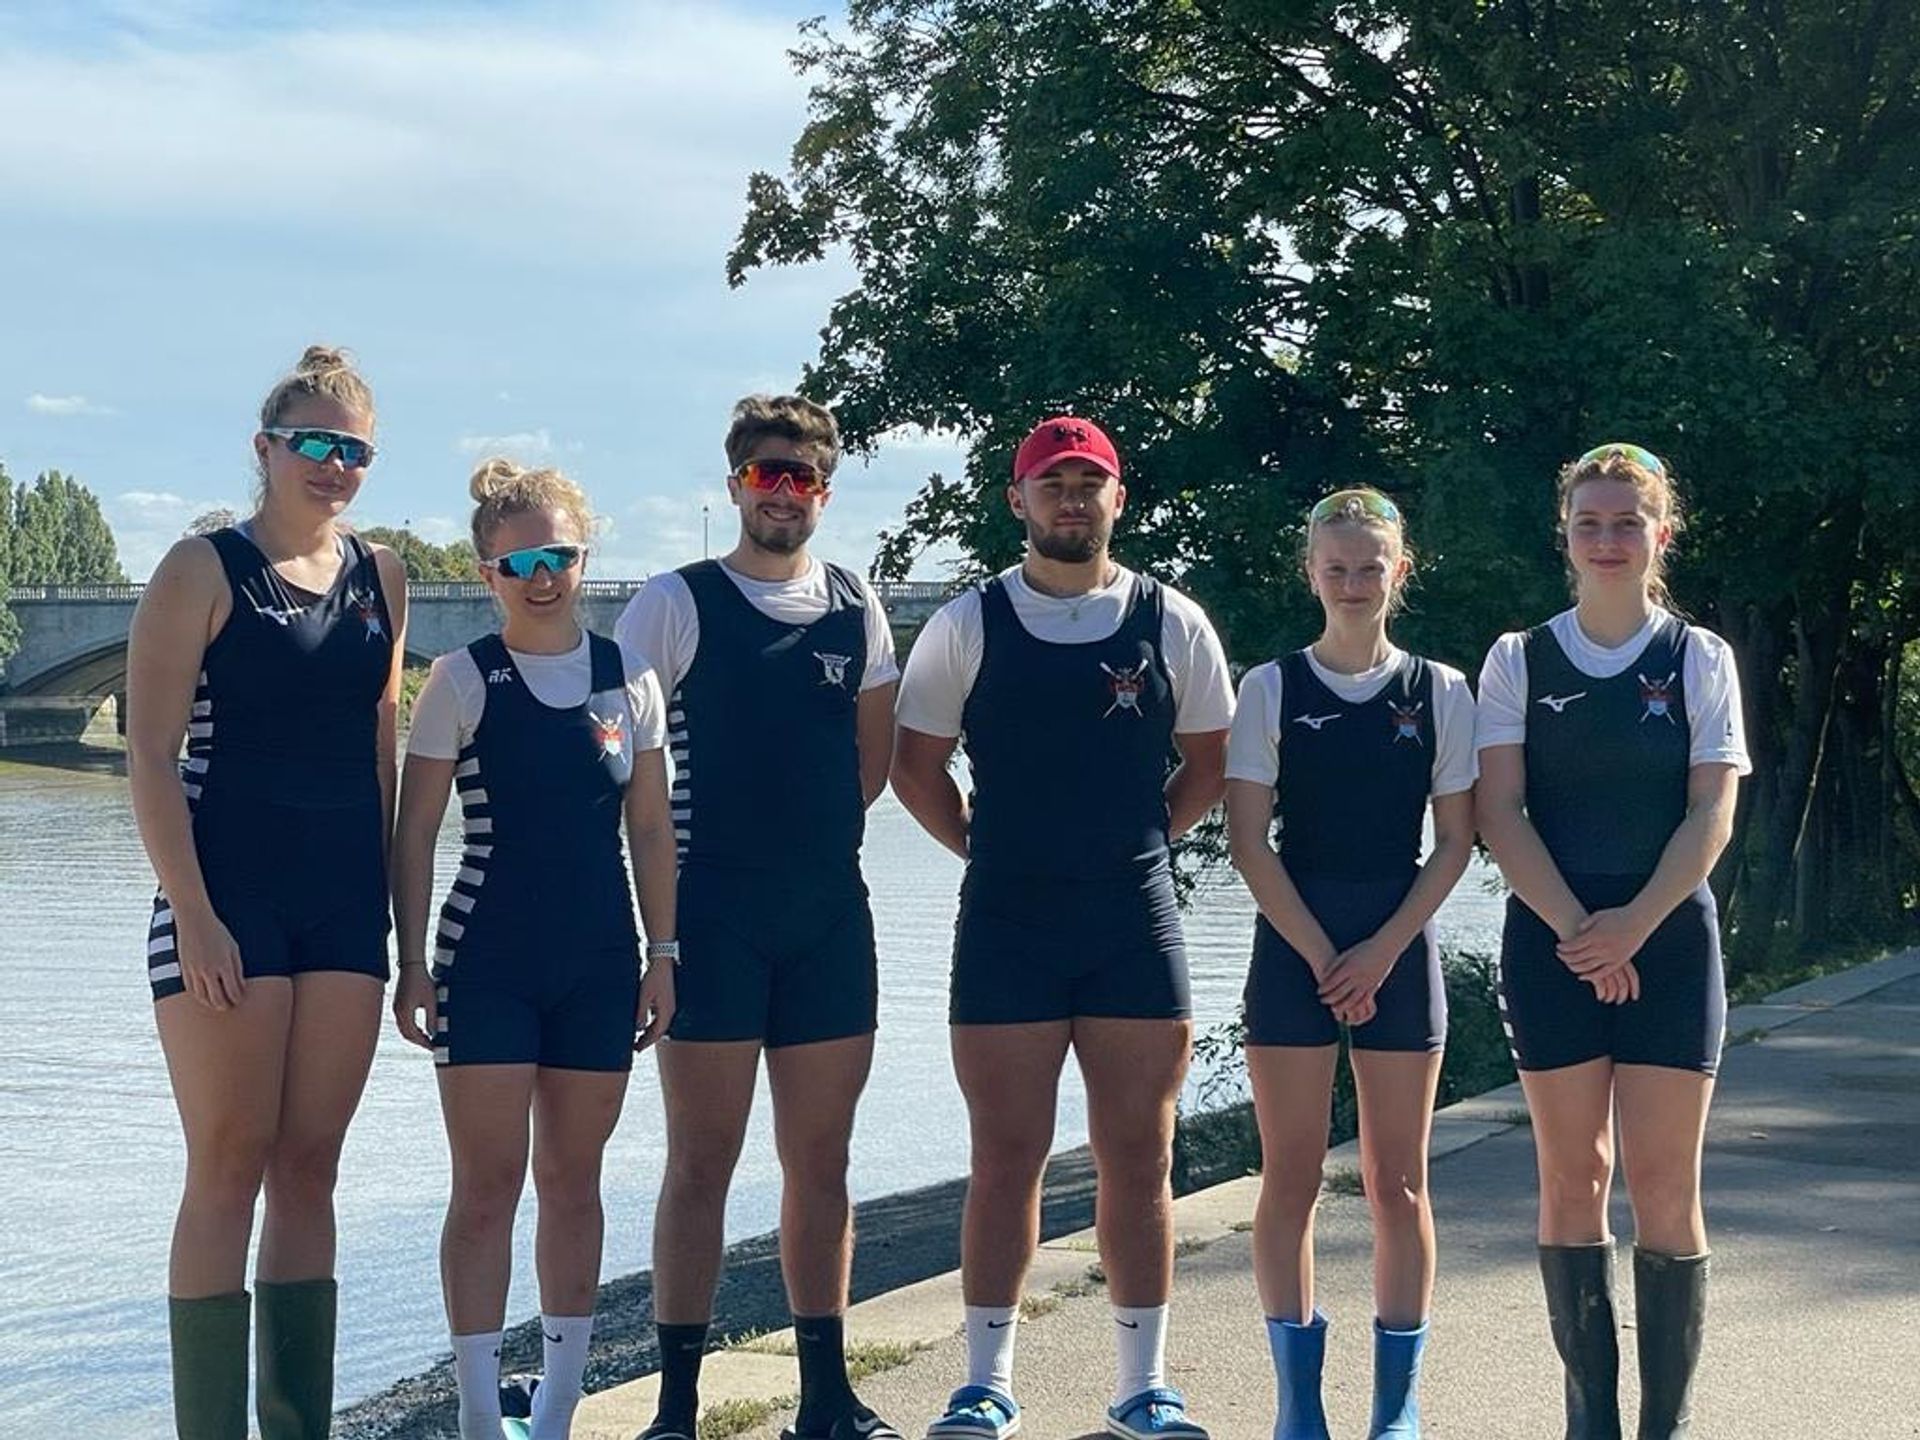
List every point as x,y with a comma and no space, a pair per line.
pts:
805,480
321,446
521,564
1616,449
1353,504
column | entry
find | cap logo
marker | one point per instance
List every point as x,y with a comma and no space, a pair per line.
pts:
1074,434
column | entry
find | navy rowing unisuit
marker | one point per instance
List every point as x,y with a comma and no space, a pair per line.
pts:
1349,805
280,771
773,914
1067,908
537,955
1607,763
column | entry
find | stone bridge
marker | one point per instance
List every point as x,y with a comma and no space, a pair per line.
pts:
73,641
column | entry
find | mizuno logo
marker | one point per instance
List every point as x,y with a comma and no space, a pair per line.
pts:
1558,703
1314,722
500,676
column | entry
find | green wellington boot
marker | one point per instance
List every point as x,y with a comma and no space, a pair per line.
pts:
209,1342
294,1351
1670,1305
1579,1284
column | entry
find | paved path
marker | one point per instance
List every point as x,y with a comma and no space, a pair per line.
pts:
1813,1203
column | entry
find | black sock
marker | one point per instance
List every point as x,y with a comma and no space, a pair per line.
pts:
682,1347
825,1394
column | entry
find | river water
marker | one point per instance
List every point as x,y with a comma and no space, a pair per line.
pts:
90,1154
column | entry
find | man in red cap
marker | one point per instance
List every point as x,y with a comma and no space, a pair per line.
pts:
1071,681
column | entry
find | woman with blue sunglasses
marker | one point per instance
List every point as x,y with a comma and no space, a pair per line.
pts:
1611,747
273,648
536,999
1339,752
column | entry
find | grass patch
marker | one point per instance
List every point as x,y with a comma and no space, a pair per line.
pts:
1241,1227
1343,1180
736,1417
1757,985
1032,1307
1189,1245
1085,1285
1522,1116
871,1357
764,1342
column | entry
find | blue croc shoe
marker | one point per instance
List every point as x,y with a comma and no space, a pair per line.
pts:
977,1412
1156,1414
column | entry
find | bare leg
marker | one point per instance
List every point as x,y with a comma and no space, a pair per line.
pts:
1396,1090
1292,1099
1572,1110
1010,1075
1663,1129
708,1090
336,1020
1133,1070
574,1114
815,1089
227,1069
487,1126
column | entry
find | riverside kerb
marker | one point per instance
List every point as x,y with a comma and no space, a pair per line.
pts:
922,1314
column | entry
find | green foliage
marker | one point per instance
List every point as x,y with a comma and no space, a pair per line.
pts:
1440,246
60,537
9,626
424,559
208,521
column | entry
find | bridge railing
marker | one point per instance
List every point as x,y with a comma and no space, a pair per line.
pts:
891,592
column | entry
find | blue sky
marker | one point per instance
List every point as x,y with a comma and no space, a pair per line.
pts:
515,214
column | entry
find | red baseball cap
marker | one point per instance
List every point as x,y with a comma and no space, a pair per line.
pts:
1065,437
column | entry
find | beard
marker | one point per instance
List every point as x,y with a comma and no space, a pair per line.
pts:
778,537
1069,549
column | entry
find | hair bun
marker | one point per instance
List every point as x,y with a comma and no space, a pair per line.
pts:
492,476
319,359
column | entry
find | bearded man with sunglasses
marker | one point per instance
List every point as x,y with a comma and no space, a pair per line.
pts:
781,676
1071,681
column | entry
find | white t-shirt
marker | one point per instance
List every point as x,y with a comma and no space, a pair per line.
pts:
1711,684
945,660
662,622
448,709
1253,750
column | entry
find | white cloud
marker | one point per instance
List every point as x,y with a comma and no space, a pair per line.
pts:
522,444
65,405
146,522
919,437
599,136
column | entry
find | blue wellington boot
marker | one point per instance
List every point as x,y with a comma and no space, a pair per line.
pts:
1396,1382
1299,1353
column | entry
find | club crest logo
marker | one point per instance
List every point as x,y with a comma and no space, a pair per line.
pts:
500,675
833,668
610,734
1657,696
1406,722
369,614
1125,686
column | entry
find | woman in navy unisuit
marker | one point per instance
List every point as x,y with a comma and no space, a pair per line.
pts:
273,647
1611,747
1347,744
536,1002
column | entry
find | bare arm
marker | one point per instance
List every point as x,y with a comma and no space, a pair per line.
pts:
393,588
1198,781
424,789
873,732
656,871
1500,810
182,609
1249,823
925,786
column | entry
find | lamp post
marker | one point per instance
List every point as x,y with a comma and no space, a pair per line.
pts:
706,550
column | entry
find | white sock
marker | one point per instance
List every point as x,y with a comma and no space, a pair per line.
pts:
476,1366
566,1367
990,1334
1140,1338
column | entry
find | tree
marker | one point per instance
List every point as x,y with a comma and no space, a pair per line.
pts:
9,626
60,536
424,559
1440,246
208,521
